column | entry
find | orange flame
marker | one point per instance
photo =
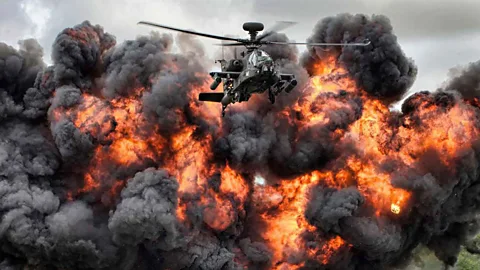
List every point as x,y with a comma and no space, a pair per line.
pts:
129,139
372,135
121,126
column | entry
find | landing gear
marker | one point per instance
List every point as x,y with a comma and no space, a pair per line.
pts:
271,96
223,110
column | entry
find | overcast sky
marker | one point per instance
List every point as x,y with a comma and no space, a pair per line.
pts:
437,34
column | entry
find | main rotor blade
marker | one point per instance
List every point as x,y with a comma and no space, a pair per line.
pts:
230,44
189,32
278,26
318,44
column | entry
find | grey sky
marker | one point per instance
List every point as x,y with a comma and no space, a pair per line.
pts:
14,21
437,34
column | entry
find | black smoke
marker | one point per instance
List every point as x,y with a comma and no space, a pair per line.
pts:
19,70
44,154
381,68
466,81
42,159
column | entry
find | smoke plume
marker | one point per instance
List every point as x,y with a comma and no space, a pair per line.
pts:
109,161
381,69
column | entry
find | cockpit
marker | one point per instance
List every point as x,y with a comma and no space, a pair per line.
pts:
258,58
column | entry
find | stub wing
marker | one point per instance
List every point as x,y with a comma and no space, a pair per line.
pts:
225,74
211,97
287,83
287,77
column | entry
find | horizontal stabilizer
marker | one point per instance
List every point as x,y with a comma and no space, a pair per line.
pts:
212,97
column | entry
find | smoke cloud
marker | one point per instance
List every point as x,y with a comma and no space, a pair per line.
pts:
466,81
381,69
109,161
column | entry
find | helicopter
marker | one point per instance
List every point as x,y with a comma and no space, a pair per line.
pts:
255,72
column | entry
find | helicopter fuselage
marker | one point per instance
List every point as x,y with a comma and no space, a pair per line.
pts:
255,77
255,73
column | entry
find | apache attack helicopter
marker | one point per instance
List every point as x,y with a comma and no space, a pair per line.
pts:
255,72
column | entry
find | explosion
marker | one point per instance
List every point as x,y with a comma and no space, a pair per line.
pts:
109,161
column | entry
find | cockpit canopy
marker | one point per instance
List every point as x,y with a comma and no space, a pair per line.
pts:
258,57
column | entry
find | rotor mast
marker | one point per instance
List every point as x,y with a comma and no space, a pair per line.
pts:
253,35
252,28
